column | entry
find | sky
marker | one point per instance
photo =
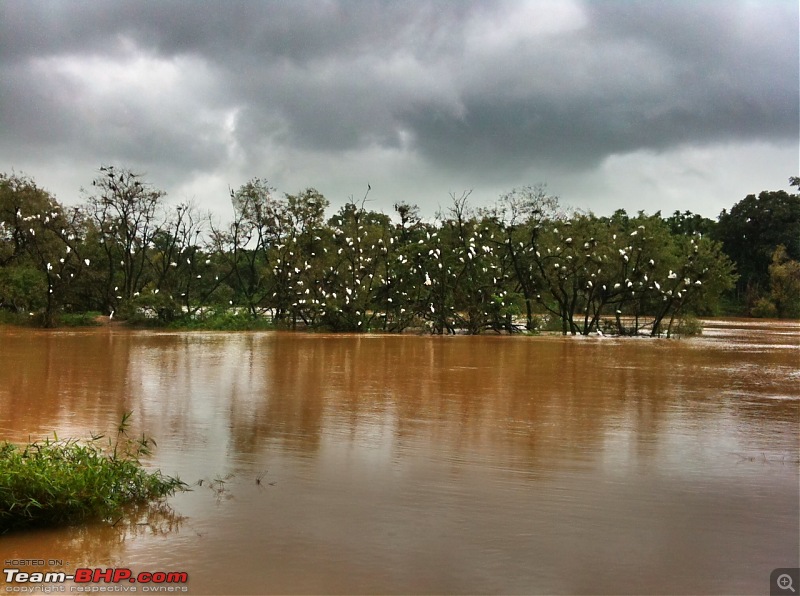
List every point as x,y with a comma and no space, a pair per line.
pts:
639,105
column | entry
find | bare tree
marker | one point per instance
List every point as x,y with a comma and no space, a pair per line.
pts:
124,212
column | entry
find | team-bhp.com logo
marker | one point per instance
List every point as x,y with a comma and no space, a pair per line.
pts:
152,581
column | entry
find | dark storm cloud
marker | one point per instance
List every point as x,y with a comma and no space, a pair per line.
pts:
488,89
638,76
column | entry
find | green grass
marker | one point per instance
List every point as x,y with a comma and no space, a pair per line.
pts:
85,319
54,482
19,319
222,321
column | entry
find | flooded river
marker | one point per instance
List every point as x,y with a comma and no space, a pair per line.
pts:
404,464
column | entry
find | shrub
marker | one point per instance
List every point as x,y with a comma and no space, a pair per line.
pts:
52,482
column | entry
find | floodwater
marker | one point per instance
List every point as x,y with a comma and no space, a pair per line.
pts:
405,464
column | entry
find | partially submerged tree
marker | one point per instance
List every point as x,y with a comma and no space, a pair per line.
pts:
124,212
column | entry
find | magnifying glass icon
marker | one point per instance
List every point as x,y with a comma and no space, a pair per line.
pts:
784,582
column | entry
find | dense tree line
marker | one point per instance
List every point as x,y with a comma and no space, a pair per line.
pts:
126,252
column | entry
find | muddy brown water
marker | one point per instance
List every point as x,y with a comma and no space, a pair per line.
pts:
386,464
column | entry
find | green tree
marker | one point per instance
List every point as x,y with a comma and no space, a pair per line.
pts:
783,300
356,280
752,230
124,211
688,223
40,247
519,215
242,247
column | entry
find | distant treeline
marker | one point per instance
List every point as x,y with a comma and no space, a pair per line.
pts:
507,267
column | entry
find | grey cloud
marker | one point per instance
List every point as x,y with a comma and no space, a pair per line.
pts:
443,80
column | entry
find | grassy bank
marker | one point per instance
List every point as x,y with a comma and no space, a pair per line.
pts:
52,482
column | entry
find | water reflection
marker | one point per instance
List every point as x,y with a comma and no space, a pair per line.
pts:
429,464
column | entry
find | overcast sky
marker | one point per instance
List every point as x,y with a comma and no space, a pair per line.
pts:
613,104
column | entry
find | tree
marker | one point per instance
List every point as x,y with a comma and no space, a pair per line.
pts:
124,213
688,223
630,268
357,275
244,244
519,215
752,230
40,246
783,300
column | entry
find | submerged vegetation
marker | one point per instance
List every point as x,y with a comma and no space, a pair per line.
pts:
283,262
56,481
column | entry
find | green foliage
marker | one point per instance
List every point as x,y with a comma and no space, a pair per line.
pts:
39,248
281,264
783,300
688,326
82,319
689,224
752,230
55,481
223,320
22,288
